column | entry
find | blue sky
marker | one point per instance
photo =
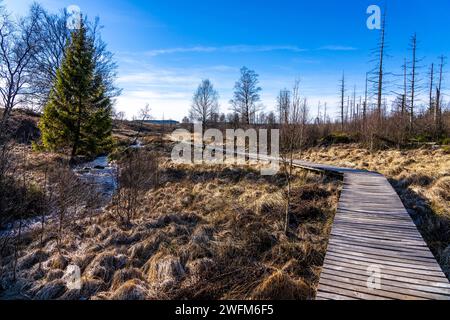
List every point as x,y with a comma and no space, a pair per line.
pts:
165,47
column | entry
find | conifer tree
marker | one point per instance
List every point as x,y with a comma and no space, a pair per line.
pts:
77,117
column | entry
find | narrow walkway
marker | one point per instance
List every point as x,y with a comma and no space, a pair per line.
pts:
375,251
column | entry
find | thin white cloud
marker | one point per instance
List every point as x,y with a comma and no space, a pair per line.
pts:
229,49
198,49
337,48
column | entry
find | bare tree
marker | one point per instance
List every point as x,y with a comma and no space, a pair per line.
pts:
119,116
186,120
342,91
53,36
438,109
405,89
18,45
292,139
246,95
413,80
67,188
364,111
283,103
378,75
144,115
205,103
431,89
380,72
137,172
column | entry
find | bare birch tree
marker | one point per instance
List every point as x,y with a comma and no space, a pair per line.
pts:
342,91
205,103
246,95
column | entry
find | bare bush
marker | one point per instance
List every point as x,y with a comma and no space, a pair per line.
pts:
67,193
137,172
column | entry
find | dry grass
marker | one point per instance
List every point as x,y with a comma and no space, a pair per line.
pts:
206,232
421,177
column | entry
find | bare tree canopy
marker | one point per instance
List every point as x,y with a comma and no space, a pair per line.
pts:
205,103
246,95
18,45
54,33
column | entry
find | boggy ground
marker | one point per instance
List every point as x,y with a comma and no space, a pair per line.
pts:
204,233
420,176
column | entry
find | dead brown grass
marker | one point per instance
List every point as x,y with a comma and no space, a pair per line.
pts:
206,232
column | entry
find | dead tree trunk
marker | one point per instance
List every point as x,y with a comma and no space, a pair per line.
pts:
431,103
381,70
342,101
437,109
405,90
365,106
413,80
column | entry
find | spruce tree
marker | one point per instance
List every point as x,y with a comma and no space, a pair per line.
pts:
77,117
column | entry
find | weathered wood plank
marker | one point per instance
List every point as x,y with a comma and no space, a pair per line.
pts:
373,229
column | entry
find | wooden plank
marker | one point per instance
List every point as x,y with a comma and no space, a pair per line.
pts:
338,270
332,296
397,282
404,250
381,251
388,288
362,288
406,268
385,261
384,271
372,227
349,293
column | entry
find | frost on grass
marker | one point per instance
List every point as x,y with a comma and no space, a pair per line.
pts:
206,232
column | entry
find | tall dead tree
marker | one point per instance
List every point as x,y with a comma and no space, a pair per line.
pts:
380,73
342,90
431,100
365,104
438,109
405,88
413,80
353,115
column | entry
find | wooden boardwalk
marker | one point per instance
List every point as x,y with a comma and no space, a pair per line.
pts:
375,251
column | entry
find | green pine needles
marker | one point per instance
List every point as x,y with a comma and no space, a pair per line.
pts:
77,117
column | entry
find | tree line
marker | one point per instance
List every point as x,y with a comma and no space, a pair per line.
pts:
390,111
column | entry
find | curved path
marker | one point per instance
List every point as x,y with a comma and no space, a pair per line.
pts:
375,250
